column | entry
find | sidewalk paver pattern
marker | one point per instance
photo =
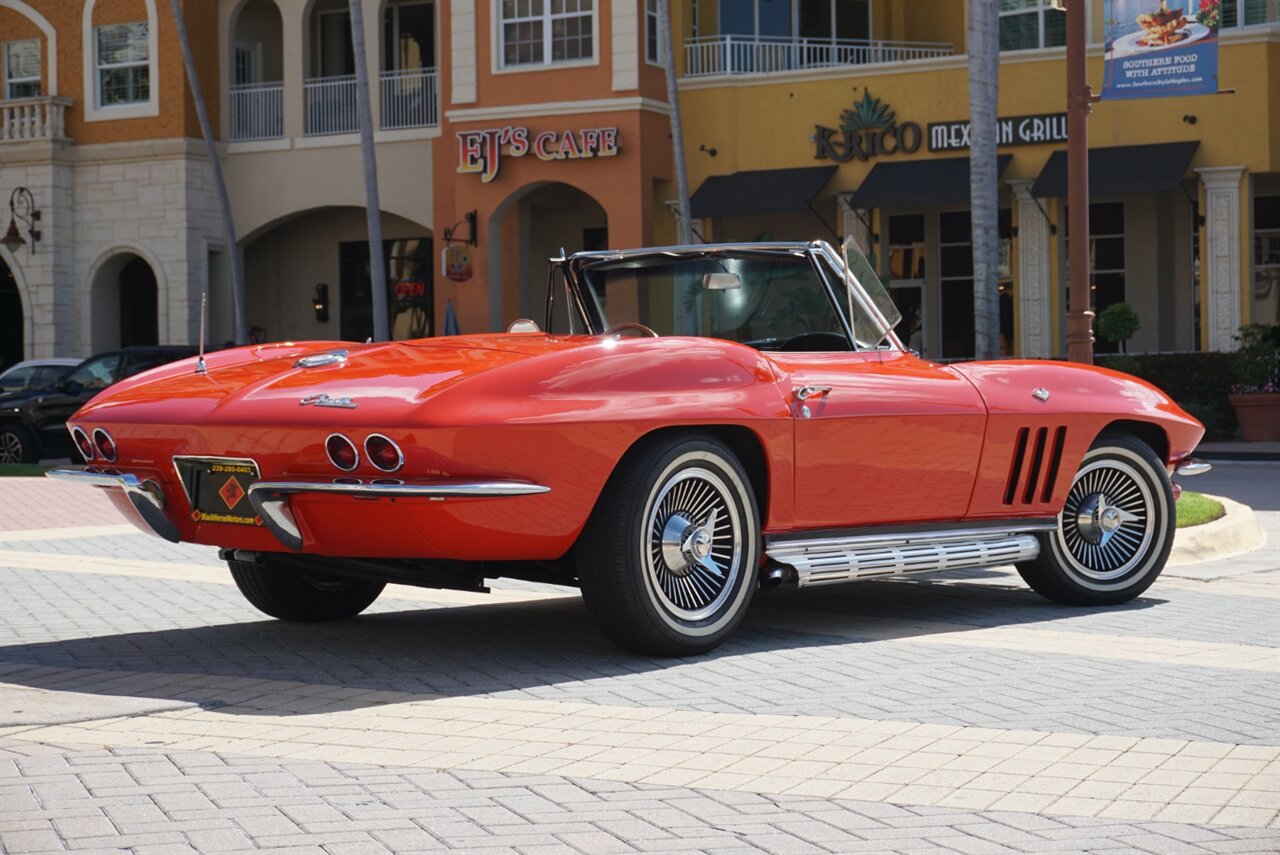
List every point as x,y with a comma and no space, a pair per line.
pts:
146,707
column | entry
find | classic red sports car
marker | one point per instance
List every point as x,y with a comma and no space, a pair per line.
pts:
694,423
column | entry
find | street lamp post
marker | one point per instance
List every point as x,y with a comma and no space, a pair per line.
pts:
1080,99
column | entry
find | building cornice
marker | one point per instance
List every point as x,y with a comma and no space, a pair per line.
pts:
557,108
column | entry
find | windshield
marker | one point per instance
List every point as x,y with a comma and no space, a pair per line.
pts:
768,300
97,373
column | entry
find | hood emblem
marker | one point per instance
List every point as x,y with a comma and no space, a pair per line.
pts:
323,400
1040,393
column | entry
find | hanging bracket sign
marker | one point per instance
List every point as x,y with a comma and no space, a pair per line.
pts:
481,152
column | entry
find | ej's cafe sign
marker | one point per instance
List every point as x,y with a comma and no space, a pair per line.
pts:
481,152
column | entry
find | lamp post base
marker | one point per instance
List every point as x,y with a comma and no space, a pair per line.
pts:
1080,337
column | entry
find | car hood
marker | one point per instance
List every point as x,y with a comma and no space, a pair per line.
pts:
383,383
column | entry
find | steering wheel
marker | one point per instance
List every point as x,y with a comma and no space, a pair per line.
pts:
619,329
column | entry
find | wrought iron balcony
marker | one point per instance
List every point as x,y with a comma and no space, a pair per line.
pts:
257,111
709,56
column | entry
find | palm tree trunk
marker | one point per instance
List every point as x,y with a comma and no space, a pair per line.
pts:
215,163
666,56
984,66
373,208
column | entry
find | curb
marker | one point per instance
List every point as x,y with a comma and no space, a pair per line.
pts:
1234,534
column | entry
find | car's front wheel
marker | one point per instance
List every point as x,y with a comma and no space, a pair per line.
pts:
300,595
668,561
1115,530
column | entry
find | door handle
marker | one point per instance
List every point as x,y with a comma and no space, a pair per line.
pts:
804,393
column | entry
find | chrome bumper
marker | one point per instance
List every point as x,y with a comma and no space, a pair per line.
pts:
270,498
146,496
1189,466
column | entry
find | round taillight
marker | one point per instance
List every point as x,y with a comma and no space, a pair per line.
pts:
383,453
342,452
105,444
82,443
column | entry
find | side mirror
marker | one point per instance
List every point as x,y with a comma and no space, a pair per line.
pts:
72,387
721,282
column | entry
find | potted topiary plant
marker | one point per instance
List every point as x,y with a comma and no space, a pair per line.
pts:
1255,394
1118,322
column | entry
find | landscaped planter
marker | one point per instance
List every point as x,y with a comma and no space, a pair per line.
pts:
1259,416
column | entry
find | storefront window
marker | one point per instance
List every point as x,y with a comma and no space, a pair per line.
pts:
907,277
1029,24
410,289
1106,261
1266,260
1245,13
537,32
955,280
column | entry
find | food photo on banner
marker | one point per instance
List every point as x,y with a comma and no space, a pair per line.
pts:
1161,47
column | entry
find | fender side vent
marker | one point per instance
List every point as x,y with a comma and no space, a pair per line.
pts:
1033,472
1037,458
1055,461
1015,468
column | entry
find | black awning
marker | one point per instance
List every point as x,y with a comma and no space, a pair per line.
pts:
916,183
764,191
1122,169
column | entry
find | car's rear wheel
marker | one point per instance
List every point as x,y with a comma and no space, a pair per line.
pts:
17,445
1115,530
302,595
668,561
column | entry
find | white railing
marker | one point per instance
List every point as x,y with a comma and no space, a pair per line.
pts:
28,119
409,98
729,54
257,111
331,105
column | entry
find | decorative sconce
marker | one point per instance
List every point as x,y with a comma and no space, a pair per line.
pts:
22,209
321,303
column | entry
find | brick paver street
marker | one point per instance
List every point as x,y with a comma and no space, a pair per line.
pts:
146,707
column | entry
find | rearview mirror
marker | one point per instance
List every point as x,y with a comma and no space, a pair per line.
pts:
721,282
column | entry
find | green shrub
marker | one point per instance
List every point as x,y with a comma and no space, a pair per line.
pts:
1118,322
1257,362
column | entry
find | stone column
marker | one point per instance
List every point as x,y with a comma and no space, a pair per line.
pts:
293,22
1034,287
1220,265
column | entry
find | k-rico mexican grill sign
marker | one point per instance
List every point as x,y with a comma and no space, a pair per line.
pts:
867,130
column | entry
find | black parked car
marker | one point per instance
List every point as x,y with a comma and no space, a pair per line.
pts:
33,421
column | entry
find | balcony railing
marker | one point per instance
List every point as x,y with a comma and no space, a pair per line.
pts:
257,111
409,98
706,56
30,119
331,105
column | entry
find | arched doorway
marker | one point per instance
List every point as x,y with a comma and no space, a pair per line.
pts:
257,72
307,276
12,318
548,217
123,303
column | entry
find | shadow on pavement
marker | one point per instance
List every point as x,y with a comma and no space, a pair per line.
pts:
503,647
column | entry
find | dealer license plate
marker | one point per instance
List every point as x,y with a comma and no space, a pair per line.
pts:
220,491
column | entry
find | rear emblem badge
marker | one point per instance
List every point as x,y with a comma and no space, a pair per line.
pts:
1040,393
231,492
323,400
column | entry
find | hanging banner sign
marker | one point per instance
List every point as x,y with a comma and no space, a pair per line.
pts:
481,152
1015,130
1161,47
455,263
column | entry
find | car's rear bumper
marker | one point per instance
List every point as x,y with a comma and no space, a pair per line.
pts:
385,516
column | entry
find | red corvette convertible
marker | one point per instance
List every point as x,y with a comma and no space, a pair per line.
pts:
693,423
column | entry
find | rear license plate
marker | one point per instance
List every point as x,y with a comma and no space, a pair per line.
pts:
221,492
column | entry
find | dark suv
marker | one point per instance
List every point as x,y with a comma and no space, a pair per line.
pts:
33,421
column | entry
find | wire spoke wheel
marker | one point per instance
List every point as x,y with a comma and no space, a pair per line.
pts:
1107,521
694,533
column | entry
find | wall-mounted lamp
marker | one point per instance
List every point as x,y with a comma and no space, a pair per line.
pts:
710,151
1190,119
321,303
472,238
22,209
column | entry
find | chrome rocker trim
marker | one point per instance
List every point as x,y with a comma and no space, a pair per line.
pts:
828,560
270,498
1189,466
146,496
